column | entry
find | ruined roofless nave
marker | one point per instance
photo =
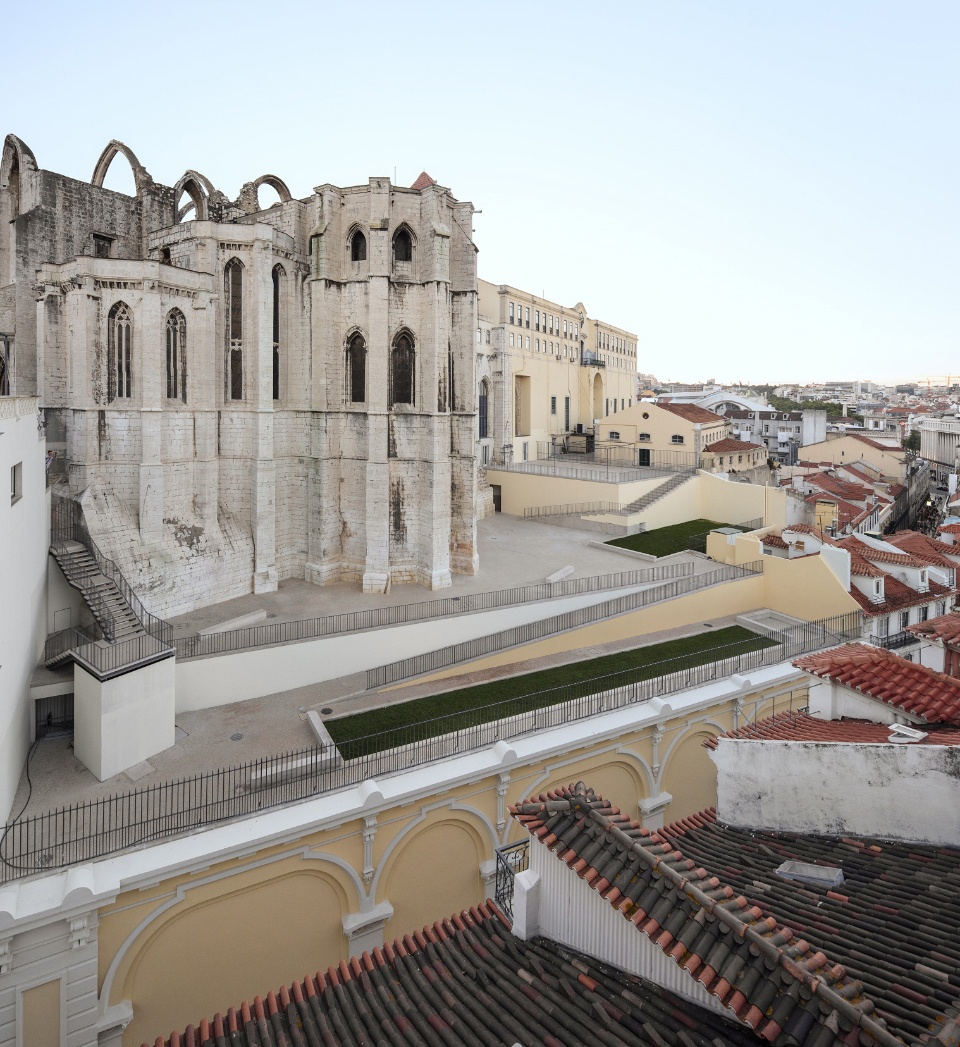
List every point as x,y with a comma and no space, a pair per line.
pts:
239,395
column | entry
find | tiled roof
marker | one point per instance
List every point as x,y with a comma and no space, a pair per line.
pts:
730,444
925,548
800,965
852,544
898,597
802,528
424,181
466,981
863,568
775,541
852,492
691,412
888,678
950,528
944,627
874,443
801,727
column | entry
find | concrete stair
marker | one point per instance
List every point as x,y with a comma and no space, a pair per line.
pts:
656,494
106,602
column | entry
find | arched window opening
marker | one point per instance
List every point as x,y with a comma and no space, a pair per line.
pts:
483,401
233,327
358,247
403,246
357,369
176,356
119,362
402,359
279,283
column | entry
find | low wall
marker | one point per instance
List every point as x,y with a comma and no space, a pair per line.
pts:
203,683
840,789
519,491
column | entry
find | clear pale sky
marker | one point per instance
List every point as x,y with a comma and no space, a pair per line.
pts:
764,190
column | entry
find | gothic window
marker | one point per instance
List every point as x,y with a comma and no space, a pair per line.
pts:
119,363
483,401
233,327
402,360
279,283
176,356
403,246
358,247
356,369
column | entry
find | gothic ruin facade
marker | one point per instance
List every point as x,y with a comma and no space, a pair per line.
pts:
240,395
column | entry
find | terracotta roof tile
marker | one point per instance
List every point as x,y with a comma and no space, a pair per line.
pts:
424,181
775,541
800,965
853,544
886,677
945,627
466,981
730,444
802,727
691,413
898,596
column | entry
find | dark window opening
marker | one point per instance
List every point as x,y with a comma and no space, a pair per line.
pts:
358,247
233,326
176,356
402,358
483,402
119,363
357,369
278,282
165,256
101,246
403,246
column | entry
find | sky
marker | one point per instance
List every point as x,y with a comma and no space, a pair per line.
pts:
762,190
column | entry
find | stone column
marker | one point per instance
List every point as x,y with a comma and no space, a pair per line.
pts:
259,353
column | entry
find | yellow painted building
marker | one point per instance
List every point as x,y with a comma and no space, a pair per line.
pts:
546,373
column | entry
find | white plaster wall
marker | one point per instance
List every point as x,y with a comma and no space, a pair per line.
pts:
204,683
572,912
831,701
120,722
24,535
891,791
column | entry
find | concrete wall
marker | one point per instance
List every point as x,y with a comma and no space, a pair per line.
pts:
521,491
885,791
293,890
125,720
24,529
203,683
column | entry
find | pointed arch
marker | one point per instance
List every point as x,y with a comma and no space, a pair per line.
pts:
119,352
483,408
17,168
279,281
403,359
199,189
176,338
141,176
404,243
357,244
275,183
355,370
233,329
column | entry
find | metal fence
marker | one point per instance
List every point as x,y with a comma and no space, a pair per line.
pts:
572,467
618,457
571,509
469,649
378,617
512,859
102,658
67,525
84,831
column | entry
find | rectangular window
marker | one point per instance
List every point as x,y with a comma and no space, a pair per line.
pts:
528,341
538,345
553,405
526,450
923,614
16,483
564,328
566,413
527,315
511,339
537,319
676,439
511,312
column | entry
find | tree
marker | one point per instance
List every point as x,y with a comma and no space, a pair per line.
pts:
912,441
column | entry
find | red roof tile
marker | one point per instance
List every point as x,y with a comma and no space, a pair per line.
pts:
775,541
925,548
423,182
945,627
888,678
730,444
691,413
898,596
853,544
801,727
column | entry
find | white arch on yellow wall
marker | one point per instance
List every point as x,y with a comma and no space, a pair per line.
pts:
136,941
697,727
420,823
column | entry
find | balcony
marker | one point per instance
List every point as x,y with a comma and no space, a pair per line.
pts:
892,643
591,360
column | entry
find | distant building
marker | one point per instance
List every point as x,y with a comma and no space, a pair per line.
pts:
783,433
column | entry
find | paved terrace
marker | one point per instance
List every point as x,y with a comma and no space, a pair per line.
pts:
515,552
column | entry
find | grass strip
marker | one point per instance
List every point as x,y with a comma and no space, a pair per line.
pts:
662,541
436,714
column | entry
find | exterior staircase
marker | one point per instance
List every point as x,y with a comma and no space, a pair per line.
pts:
678,480
107,604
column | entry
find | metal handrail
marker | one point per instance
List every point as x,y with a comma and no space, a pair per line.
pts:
84,831
379,617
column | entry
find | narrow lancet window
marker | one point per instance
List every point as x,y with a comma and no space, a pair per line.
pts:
119,352
176,356
233,326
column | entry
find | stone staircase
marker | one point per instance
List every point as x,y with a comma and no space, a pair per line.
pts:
656,494
113,613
